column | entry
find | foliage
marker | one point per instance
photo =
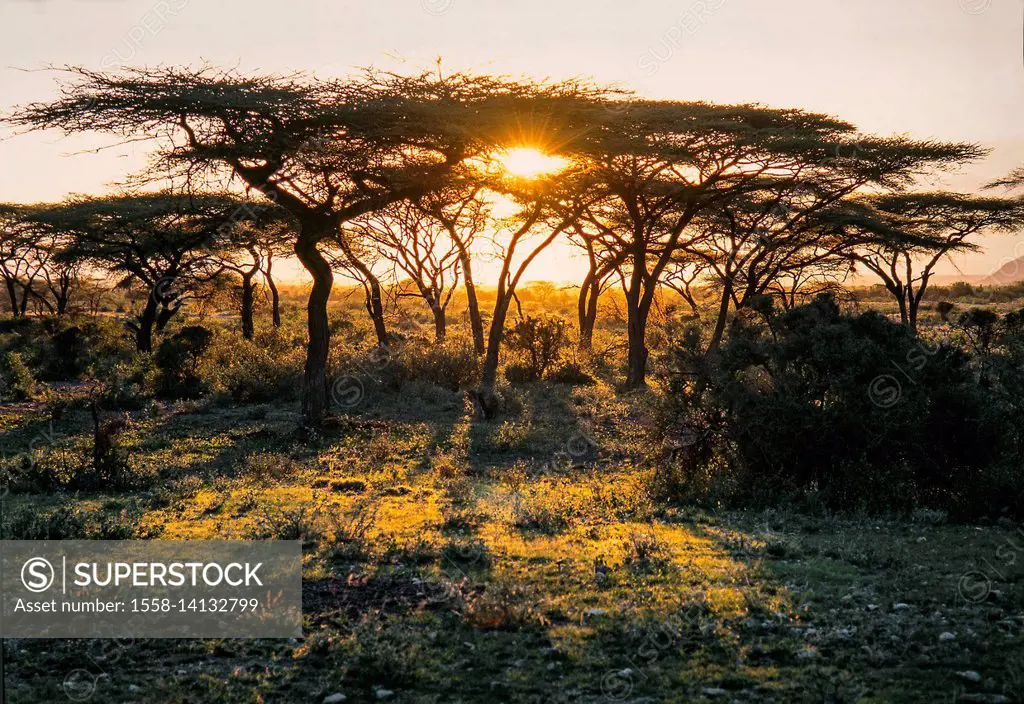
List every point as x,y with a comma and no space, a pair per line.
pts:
854,410
538,341
19,383
178,359
246,371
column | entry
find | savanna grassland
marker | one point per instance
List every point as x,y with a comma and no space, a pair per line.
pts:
530,558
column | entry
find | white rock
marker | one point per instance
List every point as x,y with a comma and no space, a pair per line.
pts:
594,612
335,698
383,694
872,607
714,692
133,688
969,675
625,673
947,635
900,607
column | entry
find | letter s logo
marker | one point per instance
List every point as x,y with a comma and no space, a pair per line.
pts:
37,574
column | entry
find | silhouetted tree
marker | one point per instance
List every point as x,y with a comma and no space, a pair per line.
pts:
164,241
933,226
327,151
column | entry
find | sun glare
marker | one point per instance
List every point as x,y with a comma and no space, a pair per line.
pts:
529,163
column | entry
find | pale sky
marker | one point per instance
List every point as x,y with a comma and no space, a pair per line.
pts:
945,69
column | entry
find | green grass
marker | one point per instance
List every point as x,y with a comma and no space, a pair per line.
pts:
448,561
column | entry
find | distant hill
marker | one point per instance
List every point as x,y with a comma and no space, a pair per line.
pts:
1009,273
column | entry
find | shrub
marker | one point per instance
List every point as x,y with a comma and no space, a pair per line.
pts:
980,327
279,523
269,369
854,410
19,383
129,385
178,359
69,354
450,365
538,342
945,309
571,373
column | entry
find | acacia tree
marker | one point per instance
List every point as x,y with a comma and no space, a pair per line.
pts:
420,251
602,266
462,210
247,250
664,165
164,241
327,151
931,226
23,257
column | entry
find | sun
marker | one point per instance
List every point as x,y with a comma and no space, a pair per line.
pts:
530,163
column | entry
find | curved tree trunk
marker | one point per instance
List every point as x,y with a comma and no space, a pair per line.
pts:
484,396
476,322
275,297
314,382
164,315
587,310
12,294
248,305
374,297
723,316
144,328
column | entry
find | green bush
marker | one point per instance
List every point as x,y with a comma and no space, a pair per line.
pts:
853,410
19,383
178,359
538,342
267,369
129,385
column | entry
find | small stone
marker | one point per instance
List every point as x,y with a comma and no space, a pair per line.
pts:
900,607
872,607
134,688
714,692
383,694
969,675
947,636
335,698
625,673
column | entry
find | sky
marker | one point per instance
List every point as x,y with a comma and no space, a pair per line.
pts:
943,69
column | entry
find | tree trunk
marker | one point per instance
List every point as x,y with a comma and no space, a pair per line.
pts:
912,308
902,301
636,377
275,297
144,330
314,381
638,305
587,310
165,314
723,316
484,396
12,294
440,323
476,322
374,298
376,308
248,297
